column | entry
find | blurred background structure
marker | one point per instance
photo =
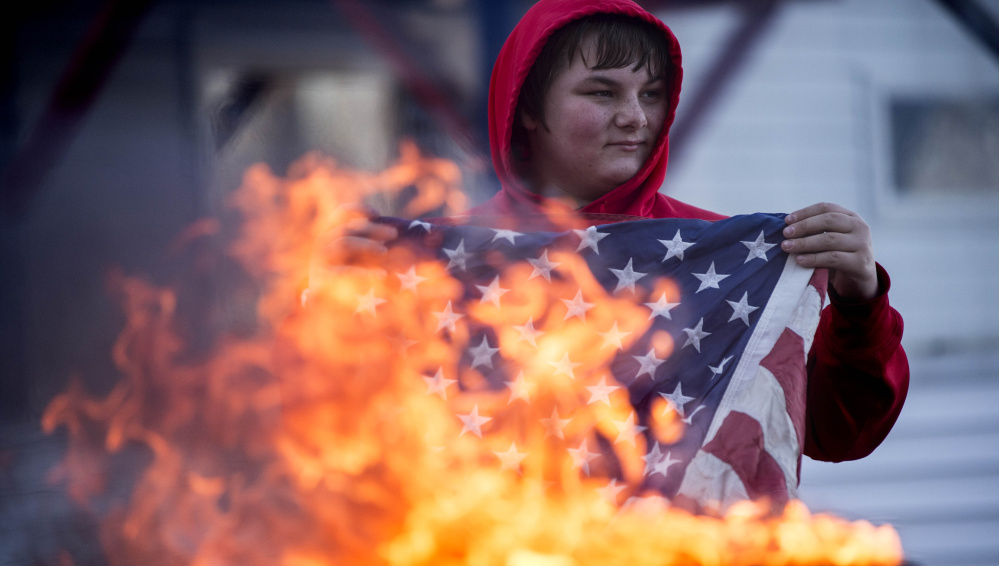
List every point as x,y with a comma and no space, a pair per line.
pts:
123,121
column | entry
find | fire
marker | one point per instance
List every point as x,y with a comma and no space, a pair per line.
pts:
348,431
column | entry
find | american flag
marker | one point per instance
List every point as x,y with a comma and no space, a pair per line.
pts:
741,316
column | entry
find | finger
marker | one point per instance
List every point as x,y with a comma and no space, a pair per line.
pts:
830,222
815,210
362,227
344,214
359,228
838,260
353,246
823,242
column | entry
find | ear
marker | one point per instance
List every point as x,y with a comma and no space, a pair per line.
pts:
529,122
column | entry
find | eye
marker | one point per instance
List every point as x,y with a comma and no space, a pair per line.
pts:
601,93
652,93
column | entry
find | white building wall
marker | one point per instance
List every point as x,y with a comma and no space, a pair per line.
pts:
806,121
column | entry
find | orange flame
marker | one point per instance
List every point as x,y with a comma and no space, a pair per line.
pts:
347,432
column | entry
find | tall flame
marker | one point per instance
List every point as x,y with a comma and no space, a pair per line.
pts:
347,432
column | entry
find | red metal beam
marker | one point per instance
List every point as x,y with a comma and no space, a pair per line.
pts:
414,78
976,20
95,59
757,16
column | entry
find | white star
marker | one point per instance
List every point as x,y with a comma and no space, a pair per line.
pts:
661,308
627,277
519,389
508,235
511,459
675,247
410,279
677,399
717,370
651,458
565,366
662,466
589,238
554,425
458,256
690,418
368,302
447,318
528,333
613,337
741,309
482,355
610,491
649,362
437,384
581,457
627,430
577,307
601,391
658,463
492,292
542,267
709,279
421,224
472,422
758,249
695,334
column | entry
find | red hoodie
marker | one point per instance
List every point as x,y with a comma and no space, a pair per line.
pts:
858,371
640,196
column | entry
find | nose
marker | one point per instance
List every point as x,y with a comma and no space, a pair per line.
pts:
630,113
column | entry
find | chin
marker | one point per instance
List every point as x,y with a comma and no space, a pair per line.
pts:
620,176
623,170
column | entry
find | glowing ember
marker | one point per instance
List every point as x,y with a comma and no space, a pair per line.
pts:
347,431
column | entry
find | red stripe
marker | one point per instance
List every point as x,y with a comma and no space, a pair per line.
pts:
820,281
739,443
786,361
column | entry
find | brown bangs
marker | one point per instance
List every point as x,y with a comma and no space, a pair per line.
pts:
620,41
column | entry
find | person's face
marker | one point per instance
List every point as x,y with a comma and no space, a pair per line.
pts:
602,127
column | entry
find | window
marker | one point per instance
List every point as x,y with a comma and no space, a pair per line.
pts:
945,146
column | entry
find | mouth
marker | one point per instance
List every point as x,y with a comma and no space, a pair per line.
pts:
628,145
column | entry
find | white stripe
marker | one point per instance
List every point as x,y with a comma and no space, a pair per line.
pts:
756,392
806,316
779,311
711,482
765,402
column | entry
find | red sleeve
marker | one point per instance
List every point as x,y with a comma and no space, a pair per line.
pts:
858,377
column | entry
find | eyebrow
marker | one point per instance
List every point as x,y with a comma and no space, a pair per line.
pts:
611,82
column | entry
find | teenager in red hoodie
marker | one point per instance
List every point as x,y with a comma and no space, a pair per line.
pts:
580,103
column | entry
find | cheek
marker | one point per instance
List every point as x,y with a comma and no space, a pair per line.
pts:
581,121
656,116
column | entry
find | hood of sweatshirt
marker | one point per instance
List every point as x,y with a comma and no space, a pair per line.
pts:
640,195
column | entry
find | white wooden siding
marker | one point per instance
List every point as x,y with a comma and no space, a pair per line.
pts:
807,120
936,477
